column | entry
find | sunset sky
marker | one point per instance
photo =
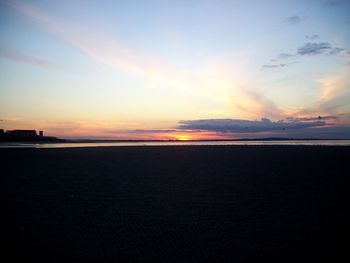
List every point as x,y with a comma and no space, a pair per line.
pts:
176,69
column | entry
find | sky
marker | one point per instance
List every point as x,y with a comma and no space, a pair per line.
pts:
176,69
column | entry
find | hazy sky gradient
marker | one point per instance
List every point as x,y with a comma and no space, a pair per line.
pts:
143,69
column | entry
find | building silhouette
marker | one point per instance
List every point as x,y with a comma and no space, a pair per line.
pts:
25,135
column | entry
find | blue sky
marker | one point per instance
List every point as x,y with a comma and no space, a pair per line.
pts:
122,69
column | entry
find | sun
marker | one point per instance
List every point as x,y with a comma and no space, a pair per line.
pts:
182,137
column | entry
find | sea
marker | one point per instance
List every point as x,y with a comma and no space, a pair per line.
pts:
173,143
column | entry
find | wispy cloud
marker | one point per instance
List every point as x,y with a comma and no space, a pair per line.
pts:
312,37
308,49
270,66
22,58
294,19
334,90
102,49
318,48
211,80
332,98
252,103
285,55
331,3
110,52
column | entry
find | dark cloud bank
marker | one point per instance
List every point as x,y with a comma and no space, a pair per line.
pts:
309,127
245,126
316,127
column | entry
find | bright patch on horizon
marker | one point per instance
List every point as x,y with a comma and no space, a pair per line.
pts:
183,137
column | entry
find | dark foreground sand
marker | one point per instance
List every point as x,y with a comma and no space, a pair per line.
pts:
175,204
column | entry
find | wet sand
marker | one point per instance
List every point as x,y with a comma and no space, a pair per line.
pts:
175,204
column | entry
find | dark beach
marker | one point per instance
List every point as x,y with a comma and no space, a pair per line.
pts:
175,204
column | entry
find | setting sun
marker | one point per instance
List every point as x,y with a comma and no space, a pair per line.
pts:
183,137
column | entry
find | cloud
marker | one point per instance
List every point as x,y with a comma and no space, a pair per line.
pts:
336,50
293,19
26,59
310,48
285,55
102,49
332,98
334,95
248,126
331,3
318,48
270,66
312,37
280,65
253,103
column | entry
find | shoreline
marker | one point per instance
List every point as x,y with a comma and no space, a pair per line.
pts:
6,145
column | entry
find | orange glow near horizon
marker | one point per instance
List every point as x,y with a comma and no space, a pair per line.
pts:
194,135
183,137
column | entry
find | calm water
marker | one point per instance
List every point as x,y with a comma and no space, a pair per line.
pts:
178,143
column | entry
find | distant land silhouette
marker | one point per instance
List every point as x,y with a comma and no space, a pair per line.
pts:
26,136
33,136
